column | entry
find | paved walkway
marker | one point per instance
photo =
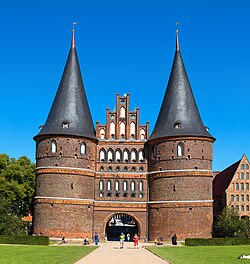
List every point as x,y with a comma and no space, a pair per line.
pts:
111,254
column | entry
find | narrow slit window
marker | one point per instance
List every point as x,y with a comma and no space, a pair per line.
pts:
180,150
53,146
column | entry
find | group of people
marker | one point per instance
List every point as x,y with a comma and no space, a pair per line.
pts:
135,239
122,240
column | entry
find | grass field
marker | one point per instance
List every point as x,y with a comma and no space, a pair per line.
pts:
203,255
42,254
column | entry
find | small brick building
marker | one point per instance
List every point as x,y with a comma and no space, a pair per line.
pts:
231,188
117,177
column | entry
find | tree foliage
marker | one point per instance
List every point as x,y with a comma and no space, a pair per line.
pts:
17,188
231,225
17,183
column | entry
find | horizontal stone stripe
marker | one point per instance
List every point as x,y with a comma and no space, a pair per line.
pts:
65,170
180,173
191,201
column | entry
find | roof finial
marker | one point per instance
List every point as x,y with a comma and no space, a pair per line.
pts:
177,39
73,45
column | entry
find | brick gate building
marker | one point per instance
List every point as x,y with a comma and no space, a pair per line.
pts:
117,176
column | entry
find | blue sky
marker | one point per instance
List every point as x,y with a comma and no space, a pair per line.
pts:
126,46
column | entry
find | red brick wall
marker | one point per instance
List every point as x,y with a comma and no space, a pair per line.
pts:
69,220
186,178
166,220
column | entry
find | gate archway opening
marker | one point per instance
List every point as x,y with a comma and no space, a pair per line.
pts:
121,223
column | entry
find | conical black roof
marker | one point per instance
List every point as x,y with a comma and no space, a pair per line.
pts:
70,114
179,115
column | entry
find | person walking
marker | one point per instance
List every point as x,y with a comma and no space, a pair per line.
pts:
96,239
136,241
122,238
128,237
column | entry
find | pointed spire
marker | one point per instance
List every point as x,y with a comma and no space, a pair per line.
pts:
179,115
70,114
73,45
177,41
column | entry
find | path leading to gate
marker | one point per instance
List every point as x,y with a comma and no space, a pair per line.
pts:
110,253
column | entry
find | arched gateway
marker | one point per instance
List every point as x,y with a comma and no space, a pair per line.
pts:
118,223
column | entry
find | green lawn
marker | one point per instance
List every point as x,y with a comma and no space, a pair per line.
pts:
202,255
43,254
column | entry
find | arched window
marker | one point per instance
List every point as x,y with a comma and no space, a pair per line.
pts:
141,169
180,149
53,146
125,168
242,176
122,112
125,156
154,150
118,155
247,166
125,186
112,129
122,129
141,155
232,207
132,129
101,168
242,198
132,186
102,133
142,134
109,185
242,166
110,168
83,148
133,155
247,207
110,155
242,208
101,185
247,198
237,186
232,198
102,155
140,186
133,168
247,175
117,185
242,186
237,198
247,186
237,207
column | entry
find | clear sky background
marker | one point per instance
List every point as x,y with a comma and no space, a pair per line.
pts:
126,47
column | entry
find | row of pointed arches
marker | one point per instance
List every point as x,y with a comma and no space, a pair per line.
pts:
121,156
122,131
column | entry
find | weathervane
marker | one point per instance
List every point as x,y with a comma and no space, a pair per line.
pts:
176,24
73,26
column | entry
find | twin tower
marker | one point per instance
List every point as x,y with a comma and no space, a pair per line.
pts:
118,177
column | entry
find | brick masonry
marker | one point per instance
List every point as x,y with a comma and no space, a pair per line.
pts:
164,194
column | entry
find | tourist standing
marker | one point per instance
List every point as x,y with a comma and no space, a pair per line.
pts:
96,239
122,238
128,236
174,240
136,241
